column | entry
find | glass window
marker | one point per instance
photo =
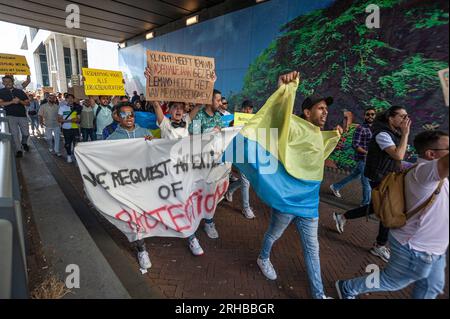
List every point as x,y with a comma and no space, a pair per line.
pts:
44,65
67,64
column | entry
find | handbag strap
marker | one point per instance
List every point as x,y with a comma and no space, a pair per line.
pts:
69,115
426,203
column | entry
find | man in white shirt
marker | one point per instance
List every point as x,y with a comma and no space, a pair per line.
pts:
177,126
418,249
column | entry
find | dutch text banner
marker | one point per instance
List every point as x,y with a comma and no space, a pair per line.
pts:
180,78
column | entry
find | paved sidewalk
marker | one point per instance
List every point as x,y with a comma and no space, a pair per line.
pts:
228,269
65,240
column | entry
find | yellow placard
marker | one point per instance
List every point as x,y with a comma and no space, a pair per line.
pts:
103,82
240,119
78,92
180,78
13,64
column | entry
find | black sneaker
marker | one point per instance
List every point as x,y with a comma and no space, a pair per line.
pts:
26,147
19,154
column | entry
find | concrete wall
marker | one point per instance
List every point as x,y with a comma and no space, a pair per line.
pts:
234,40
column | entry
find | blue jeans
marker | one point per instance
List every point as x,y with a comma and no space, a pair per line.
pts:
307,228
406,266
34,119
244,184
357,172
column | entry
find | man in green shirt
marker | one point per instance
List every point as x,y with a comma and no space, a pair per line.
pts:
209,120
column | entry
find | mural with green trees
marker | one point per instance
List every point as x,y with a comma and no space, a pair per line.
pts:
338,55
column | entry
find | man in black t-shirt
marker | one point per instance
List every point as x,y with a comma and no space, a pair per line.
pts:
15,101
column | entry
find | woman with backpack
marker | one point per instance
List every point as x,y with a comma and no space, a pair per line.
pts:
387,149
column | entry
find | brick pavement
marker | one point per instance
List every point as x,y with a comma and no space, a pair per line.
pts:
228,269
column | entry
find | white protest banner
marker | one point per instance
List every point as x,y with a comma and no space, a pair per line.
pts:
180,78
156,188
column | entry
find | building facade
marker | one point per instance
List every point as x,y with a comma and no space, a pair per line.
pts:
55,59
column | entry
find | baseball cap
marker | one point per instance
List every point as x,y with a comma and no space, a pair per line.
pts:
312,100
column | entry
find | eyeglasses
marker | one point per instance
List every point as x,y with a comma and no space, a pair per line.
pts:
126,115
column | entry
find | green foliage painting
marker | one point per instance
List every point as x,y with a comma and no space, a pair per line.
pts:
338,55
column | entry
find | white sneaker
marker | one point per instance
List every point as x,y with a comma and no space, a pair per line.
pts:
248,213
335,191
195,247
50,150
69,159
229,197
340,222
381,251
326,297
58,154
211,230
144,260
267,268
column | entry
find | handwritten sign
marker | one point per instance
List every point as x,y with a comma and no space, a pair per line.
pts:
13,64
443,75
180,78
103,82
165,189
240,119
48,89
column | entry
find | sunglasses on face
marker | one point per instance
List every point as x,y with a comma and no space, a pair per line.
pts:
370,114
126,115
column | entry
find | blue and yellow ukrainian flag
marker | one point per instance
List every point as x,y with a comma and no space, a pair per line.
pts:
284,169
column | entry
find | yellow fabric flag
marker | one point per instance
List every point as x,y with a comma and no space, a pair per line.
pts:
300,146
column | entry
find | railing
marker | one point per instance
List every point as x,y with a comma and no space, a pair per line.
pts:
13,267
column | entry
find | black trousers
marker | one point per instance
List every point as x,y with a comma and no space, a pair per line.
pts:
71,136
140,245
383,232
